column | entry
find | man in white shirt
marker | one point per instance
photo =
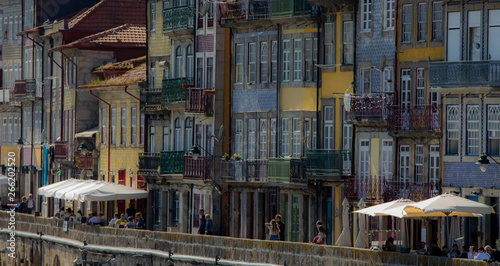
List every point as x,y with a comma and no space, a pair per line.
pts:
31,204
482,255
94,220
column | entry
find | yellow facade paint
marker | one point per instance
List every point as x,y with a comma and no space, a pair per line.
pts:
374,156
159,45
298,99
419,54
298,31
5,150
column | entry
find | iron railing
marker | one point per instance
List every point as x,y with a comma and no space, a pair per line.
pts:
326,162
173,90
172,162
464,74
369,107
149,161
244,10
289,8
414,118
256,170
151,99
60,151
84,162
198,101
177,18
233,171
200,168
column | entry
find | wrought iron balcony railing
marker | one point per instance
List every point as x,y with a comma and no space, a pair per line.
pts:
376,188
200,168
173,90
84,162
256,170
233,171
199,101
60,152
414,118
286,170
289,8
149,161
26,89
326,163
151,99
369,107
172,162
178,18
245,10
464,74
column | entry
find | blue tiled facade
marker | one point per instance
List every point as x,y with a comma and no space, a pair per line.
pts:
258,100
461,174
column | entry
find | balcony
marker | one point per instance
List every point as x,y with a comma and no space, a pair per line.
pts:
330,2
199,101
287,170
289,8
172,162
200,168
60,152
326,164
25,90
419,119
245,11
85,161
375,188
151,100
178,21
173,90
256,170
232,171
149,163
369,110
464,74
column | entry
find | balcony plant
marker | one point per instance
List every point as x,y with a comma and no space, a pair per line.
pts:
225,157
236,157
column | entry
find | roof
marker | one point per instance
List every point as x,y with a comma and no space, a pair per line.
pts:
135,75
125,35
123,65
110,13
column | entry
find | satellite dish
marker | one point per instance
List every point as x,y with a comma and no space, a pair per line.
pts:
221,132
204,8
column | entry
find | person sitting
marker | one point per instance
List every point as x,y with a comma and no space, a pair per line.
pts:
320,239
422,250
472,253
140,221
62,214
494,254
130,224
481,255
78,216
464,254
121,223
389,245
102,219
113,221
454,252
94,219
435,250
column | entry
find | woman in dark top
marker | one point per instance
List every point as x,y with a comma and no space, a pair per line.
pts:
140,221
209,228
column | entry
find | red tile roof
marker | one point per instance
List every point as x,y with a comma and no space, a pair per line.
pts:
135,75
110,13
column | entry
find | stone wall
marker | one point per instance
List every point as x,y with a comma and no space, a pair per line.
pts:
233,249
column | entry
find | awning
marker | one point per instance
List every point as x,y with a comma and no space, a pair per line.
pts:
90,190
86,134
4,180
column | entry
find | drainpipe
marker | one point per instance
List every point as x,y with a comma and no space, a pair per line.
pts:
133,96
278,122
354,65
109,128
396,71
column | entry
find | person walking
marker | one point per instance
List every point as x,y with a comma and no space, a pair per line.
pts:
209,230
23,207
31,204
203,222
273,229
281,226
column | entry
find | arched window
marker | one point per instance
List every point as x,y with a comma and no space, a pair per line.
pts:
188,134
178,62
189,62
178,134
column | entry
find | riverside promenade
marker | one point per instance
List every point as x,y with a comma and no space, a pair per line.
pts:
142,247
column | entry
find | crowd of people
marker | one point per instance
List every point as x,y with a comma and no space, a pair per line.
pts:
485,254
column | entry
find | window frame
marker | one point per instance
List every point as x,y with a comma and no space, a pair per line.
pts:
285,134
329,43
421,22
264,65
366,15
239,58
493,128
286,61
297,60
437,21
348,43
473,133
252,63
454,124
407,23
404,163
389,14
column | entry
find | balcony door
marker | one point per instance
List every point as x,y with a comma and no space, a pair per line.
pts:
405,98
204,139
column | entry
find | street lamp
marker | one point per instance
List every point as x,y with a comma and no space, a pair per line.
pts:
195,152
483,162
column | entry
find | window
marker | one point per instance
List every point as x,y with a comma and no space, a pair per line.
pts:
474,34
274,61
188,134
364,159
10,130
165,139
199,72
210,73
4,126
189,62
308,59
329,43
315,58
272,139
103,125
296,137
388,79
405,88
238,136
494,130
141,134
387,159
152,16
346,144
176,210
286,60
420,86
285,135
133,125
434,163
152,139
365,74
454,38
473,118
404,163
452,129
251,139
239,63
493,34
328,127
263,62
366,15
178,134
348,43
297,60
314,130
263,139
178,62
407,23
252,60
389,12
422,22
437,21
419,163
113,126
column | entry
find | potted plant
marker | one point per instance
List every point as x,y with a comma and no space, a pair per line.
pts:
236,157
225,157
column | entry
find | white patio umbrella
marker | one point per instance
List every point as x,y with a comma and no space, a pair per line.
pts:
382,209
345,237
362,238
